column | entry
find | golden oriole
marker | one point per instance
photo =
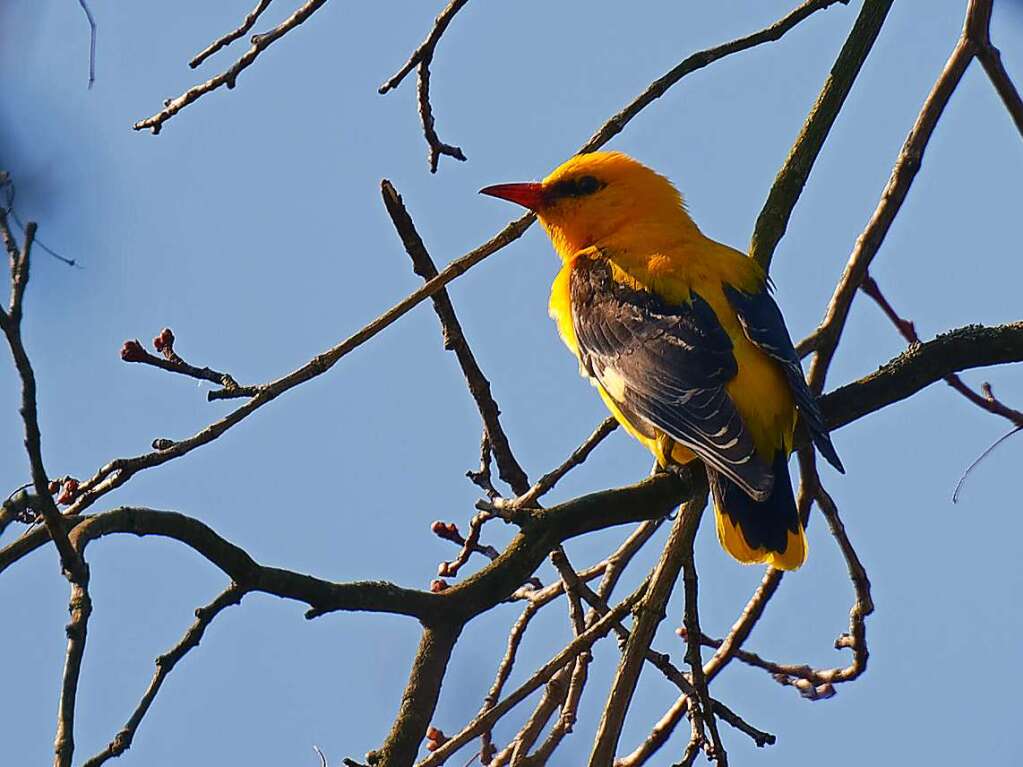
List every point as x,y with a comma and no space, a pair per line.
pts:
681,337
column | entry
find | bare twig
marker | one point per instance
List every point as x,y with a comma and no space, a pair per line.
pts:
697,61
420,61
482,478
549,480
133,351
232,595
455,340
907,329
92,39
231,36
748,618
470,544
230,76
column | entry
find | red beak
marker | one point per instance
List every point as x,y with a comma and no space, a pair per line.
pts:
527,195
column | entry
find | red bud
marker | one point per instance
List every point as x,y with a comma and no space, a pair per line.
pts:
132,351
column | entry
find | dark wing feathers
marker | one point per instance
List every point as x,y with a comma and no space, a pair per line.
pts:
666,367
763,324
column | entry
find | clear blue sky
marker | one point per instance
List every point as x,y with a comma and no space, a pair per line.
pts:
253,227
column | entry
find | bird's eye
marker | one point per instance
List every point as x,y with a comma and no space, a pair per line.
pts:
587,185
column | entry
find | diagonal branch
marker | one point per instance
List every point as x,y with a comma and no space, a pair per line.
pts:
788,185
230,76
232,595
10,323
825,339
231,36
697,61
650,613
578,645
454,340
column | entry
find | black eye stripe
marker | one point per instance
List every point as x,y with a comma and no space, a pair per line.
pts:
577,187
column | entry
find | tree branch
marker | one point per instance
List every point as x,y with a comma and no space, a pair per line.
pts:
454,340
230,76
232,595
788,185
699,60
419,700
420,60
649,614
231,36
825,339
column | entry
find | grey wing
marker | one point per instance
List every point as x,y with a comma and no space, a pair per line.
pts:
666,367
764,325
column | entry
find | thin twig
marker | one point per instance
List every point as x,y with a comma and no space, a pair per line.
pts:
230,76
133,351
701,708
697,61
991,59
547,482
740,631
469,544
232,595
987,401
92,40
455,341
231,36
420,60
825,339
10,323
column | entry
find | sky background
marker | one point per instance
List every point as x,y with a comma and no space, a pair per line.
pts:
252,226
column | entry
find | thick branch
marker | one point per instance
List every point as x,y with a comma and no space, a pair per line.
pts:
419,700
787,187
80,607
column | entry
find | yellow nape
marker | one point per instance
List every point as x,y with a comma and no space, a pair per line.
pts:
733,541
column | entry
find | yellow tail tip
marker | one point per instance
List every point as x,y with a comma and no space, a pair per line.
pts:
734,542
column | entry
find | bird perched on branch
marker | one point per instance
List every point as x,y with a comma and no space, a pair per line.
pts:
681,337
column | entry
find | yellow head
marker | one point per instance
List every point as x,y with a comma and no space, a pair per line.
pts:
600,198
